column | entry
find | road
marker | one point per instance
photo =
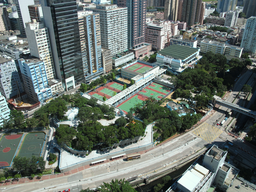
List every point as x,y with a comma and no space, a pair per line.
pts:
167,155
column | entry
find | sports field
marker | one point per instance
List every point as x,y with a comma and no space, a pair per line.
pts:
131,102
32,145
8,146
139,67
154,90
160,88
150,93
107,90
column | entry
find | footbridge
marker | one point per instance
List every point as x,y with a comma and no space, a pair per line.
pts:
235,107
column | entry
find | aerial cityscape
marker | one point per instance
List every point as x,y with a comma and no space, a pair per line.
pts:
127,95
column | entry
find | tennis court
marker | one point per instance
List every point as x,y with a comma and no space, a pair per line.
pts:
134,66
131,102
107,91
160,88
32,145
98,96
143,69
8,146
117,86
150,93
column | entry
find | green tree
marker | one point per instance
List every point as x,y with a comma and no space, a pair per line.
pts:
83,87
104,98
247,88
114,93
52,157
18,118
2,179
65,134
113,76
132,82
124,86
85,113
242,15
105,81
31,122
117,186
121,122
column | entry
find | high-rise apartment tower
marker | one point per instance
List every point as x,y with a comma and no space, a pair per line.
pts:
171,9
23,12
226,5
113,25
249,40
60,16
136,21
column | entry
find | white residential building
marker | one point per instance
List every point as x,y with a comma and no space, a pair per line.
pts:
10,84
158,34
231,18
213,170
114,26
39,45
4,110
249,35
23,12
221,48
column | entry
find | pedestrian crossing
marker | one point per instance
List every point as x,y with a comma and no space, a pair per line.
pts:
207,132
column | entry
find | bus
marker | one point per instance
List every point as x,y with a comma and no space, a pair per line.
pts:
132,157
98,162
117,156
222,122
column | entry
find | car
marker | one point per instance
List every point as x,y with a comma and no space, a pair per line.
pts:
66,190
218,123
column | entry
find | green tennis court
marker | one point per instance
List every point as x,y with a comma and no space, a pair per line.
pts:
150,93
98,96
130,103
117,86
134,67
8,147
32,145
160,88
107,91
143,70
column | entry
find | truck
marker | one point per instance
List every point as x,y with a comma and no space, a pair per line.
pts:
132,157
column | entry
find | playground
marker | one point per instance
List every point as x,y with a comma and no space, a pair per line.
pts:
32,145
154,90
139,67
108,90
8,146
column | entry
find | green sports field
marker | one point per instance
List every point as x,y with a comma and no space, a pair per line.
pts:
130,103
32,145
143,70
107,91
134,67
8,146
117,86
160,88
150,93
98,96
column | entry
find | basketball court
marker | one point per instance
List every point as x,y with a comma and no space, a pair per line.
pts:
8,146
32,145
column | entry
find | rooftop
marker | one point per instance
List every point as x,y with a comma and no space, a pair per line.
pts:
3,60
216,153
178,51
